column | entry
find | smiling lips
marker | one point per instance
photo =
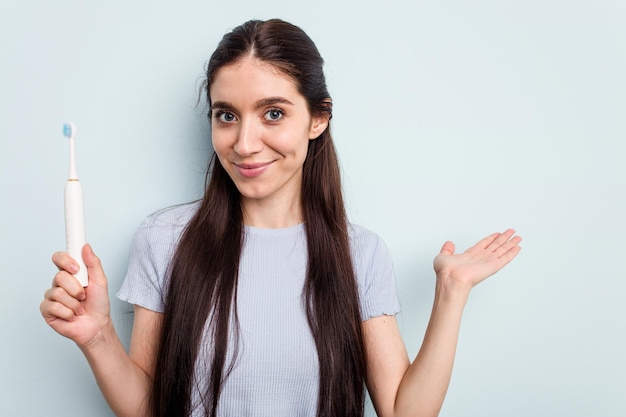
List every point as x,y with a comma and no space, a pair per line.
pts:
252,170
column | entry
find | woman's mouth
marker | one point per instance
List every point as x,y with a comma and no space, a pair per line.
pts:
251,170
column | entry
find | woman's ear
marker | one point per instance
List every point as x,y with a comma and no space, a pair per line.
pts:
318,126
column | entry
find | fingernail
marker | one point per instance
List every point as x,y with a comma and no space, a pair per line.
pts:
81,311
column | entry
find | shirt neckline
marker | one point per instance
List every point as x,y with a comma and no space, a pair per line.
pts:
281,231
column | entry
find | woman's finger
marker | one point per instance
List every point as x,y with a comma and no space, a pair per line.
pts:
511,242
485,242
447,248
52,310
500,240
65,262
508,256
60,296
69,284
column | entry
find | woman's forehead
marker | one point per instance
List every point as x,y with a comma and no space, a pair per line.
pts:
251,79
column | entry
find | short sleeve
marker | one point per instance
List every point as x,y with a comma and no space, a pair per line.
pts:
151,253
375,275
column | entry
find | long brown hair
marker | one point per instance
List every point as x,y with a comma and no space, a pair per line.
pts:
204,270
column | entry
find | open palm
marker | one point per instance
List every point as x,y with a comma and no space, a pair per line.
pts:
480,261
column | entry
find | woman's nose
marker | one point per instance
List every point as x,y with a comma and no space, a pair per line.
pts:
248,138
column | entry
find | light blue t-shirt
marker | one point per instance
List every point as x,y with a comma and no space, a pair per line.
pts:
276,372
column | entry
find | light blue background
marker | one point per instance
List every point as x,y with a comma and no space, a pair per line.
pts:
453,120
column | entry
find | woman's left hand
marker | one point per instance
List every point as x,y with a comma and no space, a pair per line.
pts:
467,269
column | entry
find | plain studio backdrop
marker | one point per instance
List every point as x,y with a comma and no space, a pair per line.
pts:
453,120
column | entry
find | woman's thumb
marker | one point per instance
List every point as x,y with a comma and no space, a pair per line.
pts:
447,248
94,266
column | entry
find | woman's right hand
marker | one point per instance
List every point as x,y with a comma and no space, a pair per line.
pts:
75,312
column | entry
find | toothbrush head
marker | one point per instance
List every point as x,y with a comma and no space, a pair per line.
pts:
69,130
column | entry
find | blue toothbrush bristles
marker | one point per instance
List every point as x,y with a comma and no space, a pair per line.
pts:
68,130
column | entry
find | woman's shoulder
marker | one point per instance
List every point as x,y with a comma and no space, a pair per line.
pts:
356,232
165,226
173,217
365,242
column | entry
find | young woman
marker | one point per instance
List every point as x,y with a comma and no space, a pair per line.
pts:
262,299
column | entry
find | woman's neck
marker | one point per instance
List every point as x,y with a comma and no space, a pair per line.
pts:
271,214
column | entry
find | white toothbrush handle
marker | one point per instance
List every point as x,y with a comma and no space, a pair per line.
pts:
75,227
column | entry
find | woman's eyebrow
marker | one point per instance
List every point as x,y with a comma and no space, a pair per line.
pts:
270,101
221,105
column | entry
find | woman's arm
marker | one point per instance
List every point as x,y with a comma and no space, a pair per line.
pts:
400,388
83,315
126,379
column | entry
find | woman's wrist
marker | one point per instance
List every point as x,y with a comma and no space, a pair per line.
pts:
102,338
448,288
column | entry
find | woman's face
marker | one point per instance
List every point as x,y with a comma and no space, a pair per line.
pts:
261,128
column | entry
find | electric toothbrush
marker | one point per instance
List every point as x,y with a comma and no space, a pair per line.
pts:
74,210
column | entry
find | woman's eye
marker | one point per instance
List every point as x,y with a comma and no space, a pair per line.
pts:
225,116
274,115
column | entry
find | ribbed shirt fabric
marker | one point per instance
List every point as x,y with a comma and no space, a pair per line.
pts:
276,368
